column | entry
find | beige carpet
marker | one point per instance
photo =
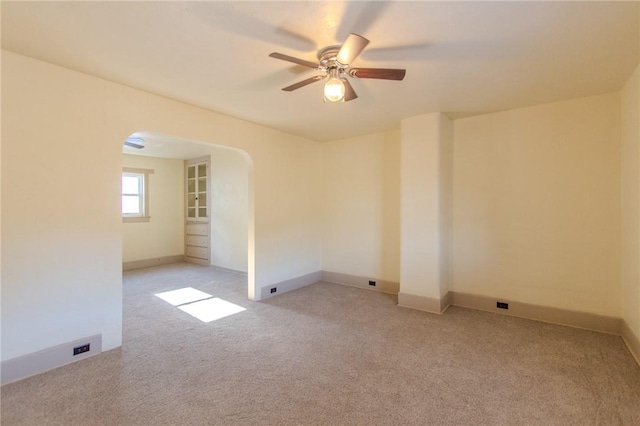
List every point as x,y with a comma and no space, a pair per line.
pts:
329,354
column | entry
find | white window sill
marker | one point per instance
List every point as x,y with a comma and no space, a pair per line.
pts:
136,219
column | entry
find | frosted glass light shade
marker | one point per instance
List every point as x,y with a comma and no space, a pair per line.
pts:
334,88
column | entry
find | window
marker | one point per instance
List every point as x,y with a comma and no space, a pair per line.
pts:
135,195
132,194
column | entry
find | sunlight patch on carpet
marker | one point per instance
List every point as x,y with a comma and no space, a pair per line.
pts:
211,309
199,304
183,295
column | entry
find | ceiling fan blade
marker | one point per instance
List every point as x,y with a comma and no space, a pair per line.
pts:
294,60
380,73
349,93
303,83
135,142
134,145
351,48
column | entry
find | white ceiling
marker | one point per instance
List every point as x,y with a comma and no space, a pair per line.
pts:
463,58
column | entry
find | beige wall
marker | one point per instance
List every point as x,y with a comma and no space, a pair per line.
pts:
163,235
631,203
229,209
361,228
62,138
536,205
536,202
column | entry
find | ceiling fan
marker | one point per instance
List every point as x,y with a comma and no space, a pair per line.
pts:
134,142
335,61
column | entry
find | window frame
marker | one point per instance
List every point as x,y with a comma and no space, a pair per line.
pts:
143,187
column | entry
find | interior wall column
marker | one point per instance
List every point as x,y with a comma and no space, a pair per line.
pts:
425,192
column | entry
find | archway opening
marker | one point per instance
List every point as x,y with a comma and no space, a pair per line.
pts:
196,203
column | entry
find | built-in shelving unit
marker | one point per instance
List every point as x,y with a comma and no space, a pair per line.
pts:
197,225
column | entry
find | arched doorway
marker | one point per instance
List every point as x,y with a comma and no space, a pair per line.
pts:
160,236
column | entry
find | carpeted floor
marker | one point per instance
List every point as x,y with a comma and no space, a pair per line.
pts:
329,354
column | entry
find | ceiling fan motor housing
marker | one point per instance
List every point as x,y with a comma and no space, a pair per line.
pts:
328,59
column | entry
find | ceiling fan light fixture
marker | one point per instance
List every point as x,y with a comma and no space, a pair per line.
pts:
335,63
334,88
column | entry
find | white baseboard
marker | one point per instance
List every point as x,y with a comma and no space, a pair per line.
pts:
291,284
196,261
631,340
155,261
423,303
588,321
47,359
566,317
361,282
236,271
